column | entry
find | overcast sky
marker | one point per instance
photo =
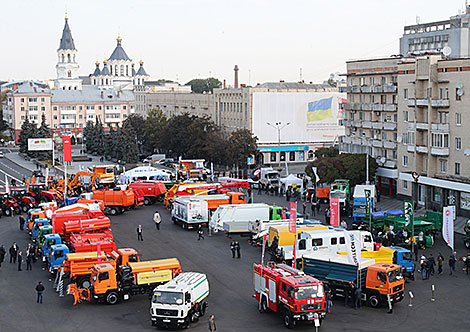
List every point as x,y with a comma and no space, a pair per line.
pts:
268,39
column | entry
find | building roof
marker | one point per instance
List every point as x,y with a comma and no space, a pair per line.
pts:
141,71
105,70
119,53
292,86
97,71
30,87
66,42
133,70
91,94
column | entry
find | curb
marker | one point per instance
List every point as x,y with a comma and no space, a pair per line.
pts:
14,162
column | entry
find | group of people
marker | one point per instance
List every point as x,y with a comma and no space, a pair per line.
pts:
235,248
352,295
17,257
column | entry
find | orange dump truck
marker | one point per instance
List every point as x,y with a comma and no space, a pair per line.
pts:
152,191
90,241
115,201
74,212
94,225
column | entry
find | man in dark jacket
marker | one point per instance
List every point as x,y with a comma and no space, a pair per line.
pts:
3,252
20,260
22,222
29,260
13,252
237,247
39,289
233,248
212,327
431,264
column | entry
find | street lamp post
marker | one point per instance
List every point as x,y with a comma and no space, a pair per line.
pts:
278,126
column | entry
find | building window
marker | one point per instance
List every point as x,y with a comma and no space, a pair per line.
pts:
80,116
436,194
443,165
405,94
43,108
22,100
440,140
292,156
457,96
22,108
273,156
443,117
405,184
458,119
55,117
22,117
465,201
457,168
458,143
405,161
283,156
301,156
55,108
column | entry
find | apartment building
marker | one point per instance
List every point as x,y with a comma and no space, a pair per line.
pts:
371,116
433,132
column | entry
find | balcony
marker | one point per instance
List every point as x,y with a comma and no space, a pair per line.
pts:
366,88
68,112
390,88
440,128
390,163
366,141
439,151
377,107
113,111
411,126
345,89
418,102
346,139
367,124
356,106
112,120
421,149
348,106
355,89
67,121
390,107
346,123
377,143
440,103
377,89
421,126
390,125
377,125
366,107
356,140
357,124
390,145
410,148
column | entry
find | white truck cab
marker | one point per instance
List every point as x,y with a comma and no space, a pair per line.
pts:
180,301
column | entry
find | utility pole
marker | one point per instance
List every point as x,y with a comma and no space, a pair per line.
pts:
279,126
367,167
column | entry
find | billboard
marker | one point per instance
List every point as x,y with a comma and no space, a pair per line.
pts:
313,116
39,144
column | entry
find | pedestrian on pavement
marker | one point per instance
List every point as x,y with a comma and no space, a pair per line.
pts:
288,194
237,247
3,252
13,253
139,233
157,219
34,250
452,260
431,264
233,248
467,263
304,207
39,289
329,300
29,260
440,262
22,222
200,233
326,215
20,260
212,327
259,189
357,298
314,207
344,224
348,294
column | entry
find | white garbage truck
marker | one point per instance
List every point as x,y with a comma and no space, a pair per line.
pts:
180,301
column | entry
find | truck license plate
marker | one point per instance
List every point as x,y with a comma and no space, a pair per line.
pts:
166,321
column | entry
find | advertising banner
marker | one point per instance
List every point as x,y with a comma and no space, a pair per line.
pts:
334,211
448,225
293,218
353,246
408,208
39,144
67,146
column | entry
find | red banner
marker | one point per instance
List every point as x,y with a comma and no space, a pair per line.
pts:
98,249
265,236
293,218
67,144
334,211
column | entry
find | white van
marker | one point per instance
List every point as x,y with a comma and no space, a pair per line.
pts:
236,217
190,212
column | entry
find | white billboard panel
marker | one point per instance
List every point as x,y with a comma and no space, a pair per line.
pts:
39,144
313,116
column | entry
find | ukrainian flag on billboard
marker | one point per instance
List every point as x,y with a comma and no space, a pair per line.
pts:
319,110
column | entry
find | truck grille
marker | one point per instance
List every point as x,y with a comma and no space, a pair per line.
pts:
167,312
396,288
311,306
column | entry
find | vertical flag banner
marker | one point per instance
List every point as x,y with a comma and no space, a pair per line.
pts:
334,211
293,218
448,225
265,236
319,110
408,209
353,246
67,144
7,185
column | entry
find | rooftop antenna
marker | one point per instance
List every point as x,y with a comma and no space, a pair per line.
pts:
300,74
417,19
249,76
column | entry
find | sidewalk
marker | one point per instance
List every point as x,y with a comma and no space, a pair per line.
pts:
20,161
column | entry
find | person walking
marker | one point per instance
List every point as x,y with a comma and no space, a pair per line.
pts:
440,262
13,253
212,327
304,207
29,260
357,298
344,224
3,252
452,260
139,233
237,248
313,207
329,300
348,294
467,264
318,207
431,264
22,221
20,260
233,248
39,289
157,219
200,233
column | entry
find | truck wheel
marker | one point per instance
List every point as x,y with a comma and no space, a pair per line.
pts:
113,211
467,243
8,212
146,201
25,208
288,320
112,298
203,308
194,317
374,301
263,306
17,210
84,282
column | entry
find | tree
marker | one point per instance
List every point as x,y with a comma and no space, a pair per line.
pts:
98,138
110,141
330,152
242,145
126,137
3,124
88,136
328,169
43,132
355,167
154,125
137,123
199,85
27,131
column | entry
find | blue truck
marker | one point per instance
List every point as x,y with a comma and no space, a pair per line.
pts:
49,241
360,201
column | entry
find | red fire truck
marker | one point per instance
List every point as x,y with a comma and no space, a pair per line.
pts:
290,292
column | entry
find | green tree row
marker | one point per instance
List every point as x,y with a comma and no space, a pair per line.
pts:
31,130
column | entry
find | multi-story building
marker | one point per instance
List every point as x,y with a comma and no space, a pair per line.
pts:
371,116
433,139
433,37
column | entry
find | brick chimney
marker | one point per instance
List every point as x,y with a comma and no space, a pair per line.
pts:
102,95
225,84
236,77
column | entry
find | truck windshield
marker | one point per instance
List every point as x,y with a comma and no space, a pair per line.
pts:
167,297
308,292
272,175
407,256
339,194
394,275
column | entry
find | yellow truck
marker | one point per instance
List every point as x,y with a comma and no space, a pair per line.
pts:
280,236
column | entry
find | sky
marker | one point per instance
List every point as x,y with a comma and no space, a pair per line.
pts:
270,40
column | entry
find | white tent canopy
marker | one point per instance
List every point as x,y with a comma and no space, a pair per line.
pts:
291,180
144,173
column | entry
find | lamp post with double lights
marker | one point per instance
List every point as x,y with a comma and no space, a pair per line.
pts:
279,126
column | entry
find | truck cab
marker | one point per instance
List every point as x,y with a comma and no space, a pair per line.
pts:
36,224
340,188
124,256
43,231
49,240
403,257
269,176
32,216
56,256
383,279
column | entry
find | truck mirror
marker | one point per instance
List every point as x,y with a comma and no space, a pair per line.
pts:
187,297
